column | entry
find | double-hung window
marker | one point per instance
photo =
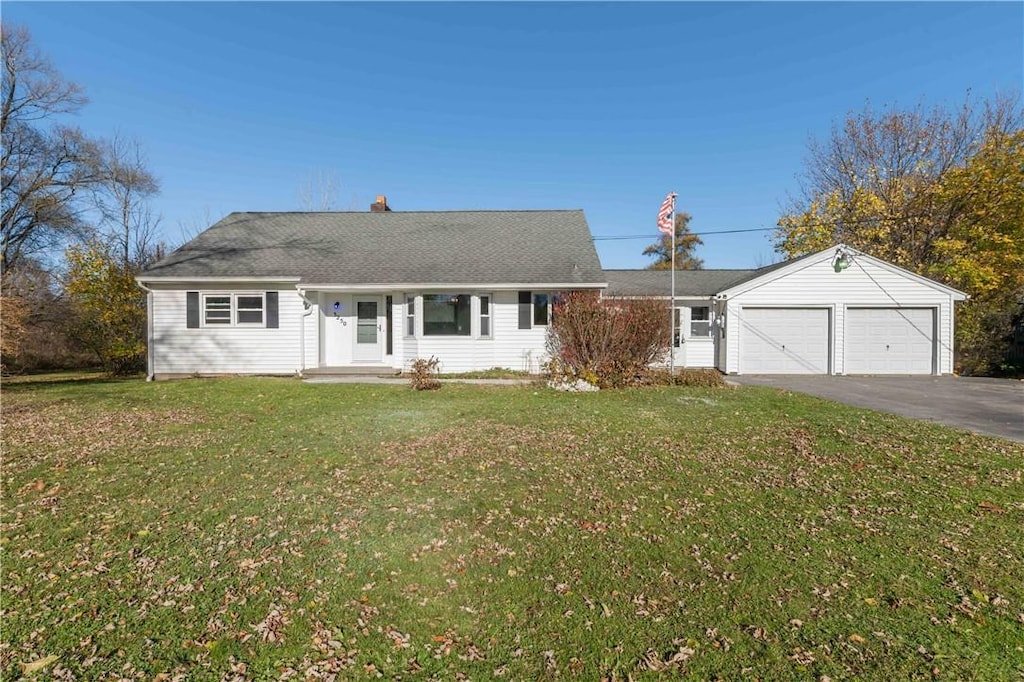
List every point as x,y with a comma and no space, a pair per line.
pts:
410,315
249,309
485,316
217,309
700,321
233,309
534,309
541,310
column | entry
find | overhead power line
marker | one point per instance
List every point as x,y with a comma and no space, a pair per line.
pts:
698,234
855,221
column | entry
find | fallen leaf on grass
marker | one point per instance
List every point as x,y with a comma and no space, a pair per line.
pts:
38,664
991,507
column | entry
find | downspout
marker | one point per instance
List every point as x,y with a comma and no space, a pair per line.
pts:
150,373
721,348
302,328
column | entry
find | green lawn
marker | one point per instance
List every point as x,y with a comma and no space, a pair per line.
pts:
263,528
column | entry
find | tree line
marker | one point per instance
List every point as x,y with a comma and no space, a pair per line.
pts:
77,225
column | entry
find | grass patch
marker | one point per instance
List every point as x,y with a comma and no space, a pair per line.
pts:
252,527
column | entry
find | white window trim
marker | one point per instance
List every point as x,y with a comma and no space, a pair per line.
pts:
410,300
233,298
474,304
533,309
480,316
690,321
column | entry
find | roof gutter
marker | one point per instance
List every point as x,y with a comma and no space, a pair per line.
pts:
302,327
232,280
446,286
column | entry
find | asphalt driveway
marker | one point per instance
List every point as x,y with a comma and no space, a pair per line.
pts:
994,407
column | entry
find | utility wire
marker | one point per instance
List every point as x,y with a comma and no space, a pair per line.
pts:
698,234
767,229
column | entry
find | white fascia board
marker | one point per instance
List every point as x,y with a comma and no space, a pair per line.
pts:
661,297
214,280
433,286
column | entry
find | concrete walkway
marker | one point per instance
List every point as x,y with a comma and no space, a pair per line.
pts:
994,407
370,379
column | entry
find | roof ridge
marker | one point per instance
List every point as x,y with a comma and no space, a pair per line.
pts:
686,270
393,212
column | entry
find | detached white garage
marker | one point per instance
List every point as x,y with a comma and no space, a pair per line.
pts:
838,311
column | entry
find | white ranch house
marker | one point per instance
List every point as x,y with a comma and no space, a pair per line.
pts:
308,293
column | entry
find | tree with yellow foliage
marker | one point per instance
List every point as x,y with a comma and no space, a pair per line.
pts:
109,308
939,193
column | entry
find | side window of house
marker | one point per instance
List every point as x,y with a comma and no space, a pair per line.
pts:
485,315
410,315
250,309
541,310
217,309
700,321
534,309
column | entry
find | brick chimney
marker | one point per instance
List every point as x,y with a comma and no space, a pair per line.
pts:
380,205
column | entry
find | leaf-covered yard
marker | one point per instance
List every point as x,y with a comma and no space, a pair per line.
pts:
264,528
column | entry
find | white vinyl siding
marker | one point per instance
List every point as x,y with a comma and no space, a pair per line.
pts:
784,340
508,346
694,351
890,340
865,284
225,349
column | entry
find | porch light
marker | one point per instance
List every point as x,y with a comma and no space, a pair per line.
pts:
842,259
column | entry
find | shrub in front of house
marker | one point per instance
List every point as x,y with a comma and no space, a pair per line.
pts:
423,374
606,343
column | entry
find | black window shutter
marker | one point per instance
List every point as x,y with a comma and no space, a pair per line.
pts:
192,309
272,310
525,309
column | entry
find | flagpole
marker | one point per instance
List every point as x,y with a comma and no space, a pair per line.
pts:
672,294
667,225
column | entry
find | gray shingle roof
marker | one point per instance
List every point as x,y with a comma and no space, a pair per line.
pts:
658,282
421,247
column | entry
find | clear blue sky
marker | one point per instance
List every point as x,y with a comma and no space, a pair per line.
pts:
604,107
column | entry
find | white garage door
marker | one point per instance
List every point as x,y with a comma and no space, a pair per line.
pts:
889,340
784,340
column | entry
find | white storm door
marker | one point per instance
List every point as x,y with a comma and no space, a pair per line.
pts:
784,340
369,331
890,340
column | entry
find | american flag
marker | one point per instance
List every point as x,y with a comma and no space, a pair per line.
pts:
668,207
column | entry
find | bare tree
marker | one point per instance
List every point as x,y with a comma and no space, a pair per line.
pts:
43,165
122,193
872,182
319,190
193,227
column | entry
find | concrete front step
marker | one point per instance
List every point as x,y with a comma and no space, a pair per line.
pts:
350,370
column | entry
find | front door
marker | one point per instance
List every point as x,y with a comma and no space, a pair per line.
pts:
368,330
